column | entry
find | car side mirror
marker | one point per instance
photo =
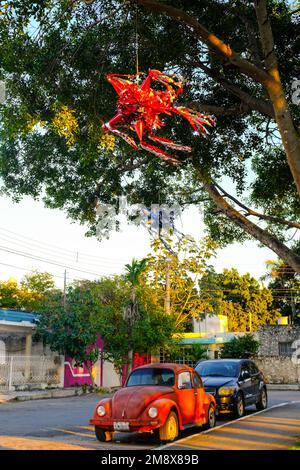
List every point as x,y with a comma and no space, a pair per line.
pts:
245,375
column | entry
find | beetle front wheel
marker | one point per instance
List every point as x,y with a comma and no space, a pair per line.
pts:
102,435
169,431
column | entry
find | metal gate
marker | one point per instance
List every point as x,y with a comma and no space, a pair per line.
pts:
4,374
22,371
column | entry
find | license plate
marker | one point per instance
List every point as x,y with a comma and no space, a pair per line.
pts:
121,426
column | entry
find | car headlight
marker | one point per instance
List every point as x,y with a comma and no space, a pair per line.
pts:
226,391
152,412
101,410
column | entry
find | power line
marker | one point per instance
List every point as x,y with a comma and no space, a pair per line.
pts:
61,250
67,258
45,260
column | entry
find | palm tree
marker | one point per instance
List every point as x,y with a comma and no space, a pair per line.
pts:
132,275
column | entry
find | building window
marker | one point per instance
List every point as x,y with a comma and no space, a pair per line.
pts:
285,348
2,352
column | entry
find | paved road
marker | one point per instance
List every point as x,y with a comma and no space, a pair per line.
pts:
63,424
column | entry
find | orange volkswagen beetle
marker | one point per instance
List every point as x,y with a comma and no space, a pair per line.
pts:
163,397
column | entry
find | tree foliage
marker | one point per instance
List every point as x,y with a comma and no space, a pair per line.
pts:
54,57
240,347
186,264
96,309
246,304
29,294
284,284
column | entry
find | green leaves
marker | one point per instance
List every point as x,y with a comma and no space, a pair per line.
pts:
240,347
240,297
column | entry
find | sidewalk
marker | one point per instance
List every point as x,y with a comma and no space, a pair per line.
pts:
277,428
41,394
283,387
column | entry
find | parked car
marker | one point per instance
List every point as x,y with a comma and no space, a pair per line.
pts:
164,398
235,384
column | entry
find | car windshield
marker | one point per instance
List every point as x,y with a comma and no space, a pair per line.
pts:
218,369
151,376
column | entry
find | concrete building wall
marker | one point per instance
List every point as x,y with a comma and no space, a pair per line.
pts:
210,324
279,370
110,377
275,339
279,353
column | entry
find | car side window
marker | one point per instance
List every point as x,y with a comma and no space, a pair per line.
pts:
197,381
184,380
245,371
253,369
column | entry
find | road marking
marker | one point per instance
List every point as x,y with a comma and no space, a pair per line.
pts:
88,428
285,420
249,432
280,423
264,424
18,443
74,433
243,418
208,445
237,442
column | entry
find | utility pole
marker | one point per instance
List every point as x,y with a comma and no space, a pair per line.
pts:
168,299
65,290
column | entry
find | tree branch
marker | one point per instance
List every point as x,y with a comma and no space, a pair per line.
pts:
246,67
251,212
266,238
262,106
241,108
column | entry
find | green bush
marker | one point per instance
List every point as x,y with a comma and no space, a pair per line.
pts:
241,347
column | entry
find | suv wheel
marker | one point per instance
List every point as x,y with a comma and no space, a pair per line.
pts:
239,406
263,400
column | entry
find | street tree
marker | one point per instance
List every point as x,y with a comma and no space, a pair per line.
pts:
174,275
240,59
246,304
28,294
284,284
131,310
33,288
9,294
71,329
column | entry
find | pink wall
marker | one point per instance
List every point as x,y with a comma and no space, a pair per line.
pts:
74,376
77,376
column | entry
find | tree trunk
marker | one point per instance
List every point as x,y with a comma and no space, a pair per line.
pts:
288,132
90,369
249,227
130,362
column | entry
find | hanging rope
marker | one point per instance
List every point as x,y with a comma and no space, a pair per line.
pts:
136,44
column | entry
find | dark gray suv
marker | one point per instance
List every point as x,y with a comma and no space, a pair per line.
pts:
235,384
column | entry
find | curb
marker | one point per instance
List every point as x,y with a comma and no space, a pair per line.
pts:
43,394
284,387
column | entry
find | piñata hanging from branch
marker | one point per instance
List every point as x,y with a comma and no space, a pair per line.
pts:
139,108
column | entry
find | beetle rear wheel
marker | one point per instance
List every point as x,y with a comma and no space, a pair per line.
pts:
211,418
102,435
169,431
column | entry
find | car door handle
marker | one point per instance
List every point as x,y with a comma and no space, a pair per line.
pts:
196,393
